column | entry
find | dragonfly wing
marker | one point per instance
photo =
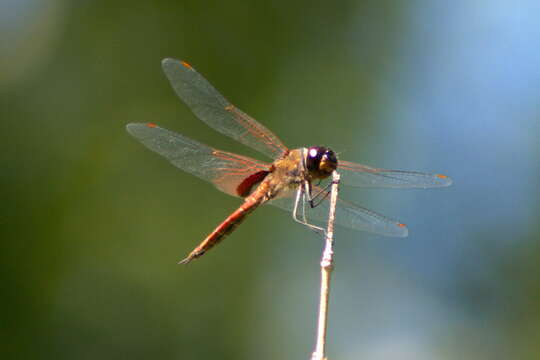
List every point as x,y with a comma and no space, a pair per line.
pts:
227,171
348,215
361,175
216,111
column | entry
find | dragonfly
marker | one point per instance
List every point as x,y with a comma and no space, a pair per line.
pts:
291,182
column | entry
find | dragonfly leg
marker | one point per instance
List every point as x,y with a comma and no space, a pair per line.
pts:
307,193
305,222
299,193
324,192
301,196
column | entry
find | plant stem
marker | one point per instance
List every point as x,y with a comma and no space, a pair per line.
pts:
327,265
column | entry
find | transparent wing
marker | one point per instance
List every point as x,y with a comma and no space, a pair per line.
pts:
212,108
361,175
227,171
348,215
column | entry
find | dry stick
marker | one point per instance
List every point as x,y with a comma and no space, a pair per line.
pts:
327,265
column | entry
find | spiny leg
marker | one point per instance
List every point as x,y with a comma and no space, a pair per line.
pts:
315,228
307,194
321,192
300,194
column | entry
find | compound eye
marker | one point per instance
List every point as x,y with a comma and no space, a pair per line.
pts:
314,156
328,162
331,156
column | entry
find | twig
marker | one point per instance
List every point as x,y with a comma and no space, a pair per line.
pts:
327,265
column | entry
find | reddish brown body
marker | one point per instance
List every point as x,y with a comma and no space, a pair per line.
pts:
256,181
226,227
286,172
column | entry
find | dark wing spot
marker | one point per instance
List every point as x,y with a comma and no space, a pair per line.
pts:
246,186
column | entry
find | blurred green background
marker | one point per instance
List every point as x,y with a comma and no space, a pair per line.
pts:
92,223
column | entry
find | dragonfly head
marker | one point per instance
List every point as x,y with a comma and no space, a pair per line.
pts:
320,161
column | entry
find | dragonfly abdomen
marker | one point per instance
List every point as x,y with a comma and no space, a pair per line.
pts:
224,229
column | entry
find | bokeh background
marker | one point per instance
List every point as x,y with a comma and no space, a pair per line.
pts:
92,223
